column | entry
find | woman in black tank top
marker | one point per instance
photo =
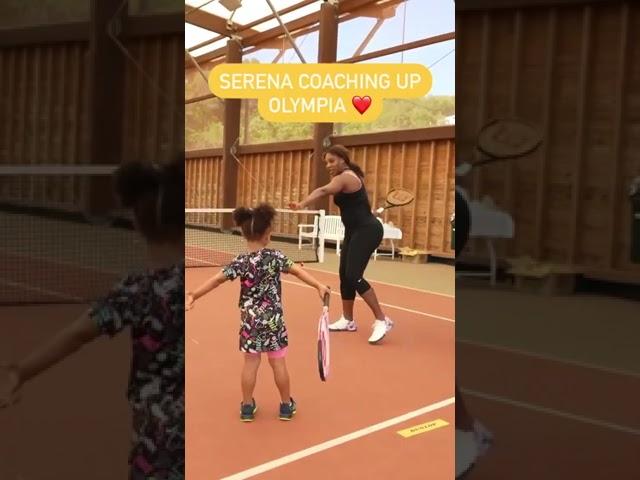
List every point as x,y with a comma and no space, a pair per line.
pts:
363,234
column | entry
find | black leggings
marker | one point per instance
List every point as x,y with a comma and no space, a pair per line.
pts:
359,244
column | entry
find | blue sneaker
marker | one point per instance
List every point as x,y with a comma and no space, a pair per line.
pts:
287,410
248,411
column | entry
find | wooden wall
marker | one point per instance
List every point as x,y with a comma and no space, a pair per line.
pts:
43,99
44,109
153,127
43,106
274,177
203,177
573,71
420,160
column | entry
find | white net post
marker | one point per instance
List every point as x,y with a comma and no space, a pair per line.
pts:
321,236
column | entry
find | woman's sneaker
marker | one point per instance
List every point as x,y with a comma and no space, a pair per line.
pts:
248,411
343,325
466,452
380,329
484,438
470,446
287,410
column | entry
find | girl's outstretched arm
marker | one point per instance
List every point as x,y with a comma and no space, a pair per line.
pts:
309,280
205,288
63,344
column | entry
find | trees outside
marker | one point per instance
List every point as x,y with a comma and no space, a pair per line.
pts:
204,121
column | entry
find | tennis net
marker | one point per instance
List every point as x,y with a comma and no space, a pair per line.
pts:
54,248
212,240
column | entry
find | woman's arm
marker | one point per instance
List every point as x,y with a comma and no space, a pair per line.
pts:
205,288
66,342
336,185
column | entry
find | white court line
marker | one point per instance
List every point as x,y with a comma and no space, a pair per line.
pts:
46,291
265,467
552,412
551,358
420,290
198,260
388,305
437,317
64,263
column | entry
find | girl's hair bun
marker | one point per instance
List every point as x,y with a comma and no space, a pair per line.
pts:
254,223
266,212
241,215
135,180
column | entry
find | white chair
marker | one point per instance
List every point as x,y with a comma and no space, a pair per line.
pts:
308,231
391,233
333,230
313,231
489,223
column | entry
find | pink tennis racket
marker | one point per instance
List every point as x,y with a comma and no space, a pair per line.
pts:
323,340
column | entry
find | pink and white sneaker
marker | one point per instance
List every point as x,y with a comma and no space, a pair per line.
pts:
484,438
470,446
380,329
343,325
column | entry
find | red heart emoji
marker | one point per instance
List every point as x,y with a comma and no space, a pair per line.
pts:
362,104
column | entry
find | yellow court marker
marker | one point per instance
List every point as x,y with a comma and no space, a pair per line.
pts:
422,428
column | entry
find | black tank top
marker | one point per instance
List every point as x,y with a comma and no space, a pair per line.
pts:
355,209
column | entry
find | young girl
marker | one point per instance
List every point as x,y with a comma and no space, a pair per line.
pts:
262,328
152,305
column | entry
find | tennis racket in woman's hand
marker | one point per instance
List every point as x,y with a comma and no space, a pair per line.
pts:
503,139
398,197
323,339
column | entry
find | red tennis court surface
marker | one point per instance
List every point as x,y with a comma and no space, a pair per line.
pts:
351,421
576,421
25,279
73,421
